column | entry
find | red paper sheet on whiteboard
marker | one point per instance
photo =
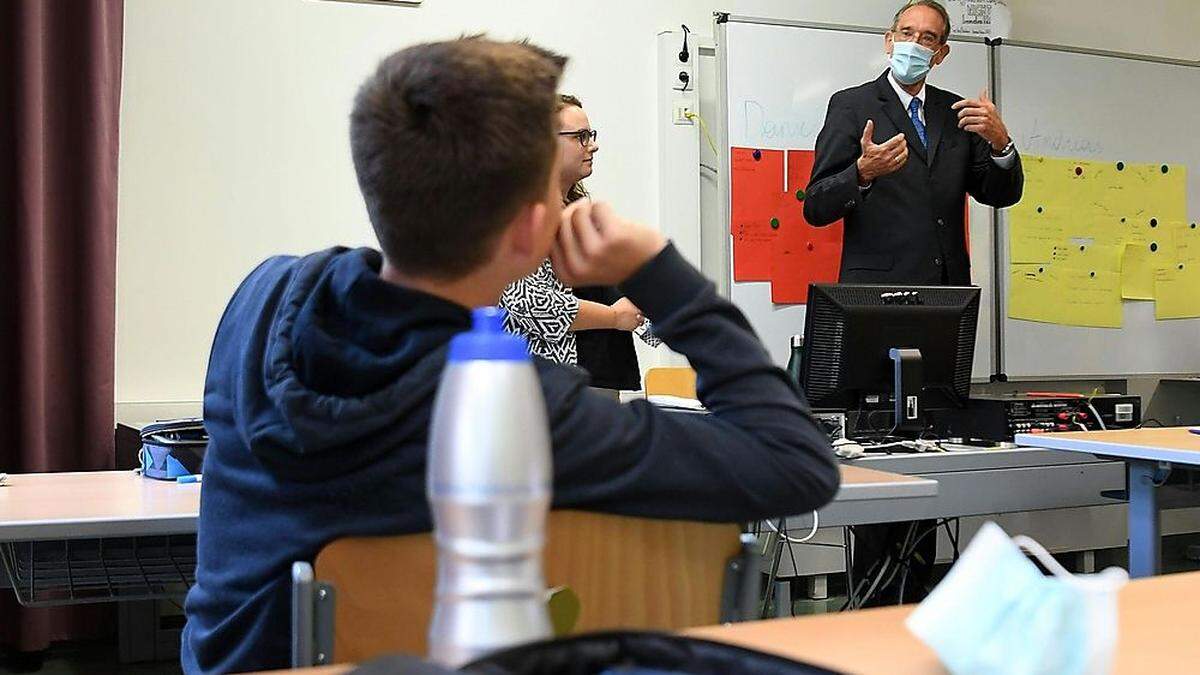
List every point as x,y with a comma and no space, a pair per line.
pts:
756,182
802,254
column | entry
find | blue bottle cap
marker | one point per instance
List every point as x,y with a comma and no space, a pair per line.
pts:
487,340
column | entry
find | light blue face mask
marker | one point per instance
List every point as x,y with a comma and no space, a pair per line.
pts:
910,62
996,613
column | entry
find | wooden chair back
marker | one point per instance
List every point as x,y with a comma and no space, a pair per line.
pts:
671,382
629,573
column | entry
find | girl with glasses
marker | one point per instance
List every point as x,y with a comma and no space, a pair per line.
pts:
588,327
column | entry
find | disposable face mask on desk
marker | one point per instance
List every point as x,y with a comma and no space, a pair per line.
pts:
995,612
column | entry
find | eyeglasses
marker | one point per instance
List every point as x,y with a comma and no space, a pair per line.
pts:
584,136
926,39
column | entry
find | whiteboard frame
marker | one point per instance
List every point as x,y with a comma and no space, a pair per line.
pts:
1149,58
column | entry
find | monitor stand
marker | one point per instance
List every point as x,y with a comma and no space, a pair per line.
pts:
907,382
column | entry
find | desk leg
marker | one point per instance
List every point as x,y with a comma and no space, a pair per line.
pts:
1145,535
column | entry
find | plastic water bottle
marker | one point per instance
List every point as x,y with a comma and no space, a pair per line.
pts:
489,486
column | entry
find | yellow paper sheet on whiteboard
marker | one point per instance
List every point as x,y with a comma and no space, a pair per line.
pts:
1177,292
1154,191
1137,273
1187,241
1105,203
1140,261
1102,229
1031,296
1033,235
1081,254
1088,298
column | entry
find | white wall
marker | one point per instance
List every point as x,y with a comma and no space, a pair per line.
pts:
234,125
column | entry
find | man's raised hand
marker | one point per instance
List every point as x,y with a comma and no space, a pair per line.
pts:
880,159
979,115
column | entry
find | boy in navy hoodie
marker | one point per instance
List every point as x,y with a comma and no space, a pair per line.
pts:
324,367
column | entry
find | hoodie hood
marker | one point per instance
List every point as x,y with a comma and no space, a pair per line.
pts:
347,358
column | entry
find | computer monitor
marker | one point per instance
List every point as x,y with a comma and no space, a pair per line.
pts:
906,348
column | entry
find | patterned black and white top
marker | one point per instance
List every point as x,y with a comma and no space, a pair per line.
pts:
542,308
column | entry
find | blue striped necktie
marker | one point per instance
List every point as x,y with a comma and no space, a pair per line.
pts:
914,110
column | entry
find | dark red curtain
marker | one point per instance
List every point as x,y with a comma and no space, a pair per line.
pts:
60,84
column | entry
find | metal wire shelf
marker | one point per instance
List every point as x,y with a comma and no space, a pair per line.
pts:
81,571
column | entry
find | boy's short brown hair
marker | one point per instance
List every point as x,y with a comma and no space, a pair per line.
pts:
449,139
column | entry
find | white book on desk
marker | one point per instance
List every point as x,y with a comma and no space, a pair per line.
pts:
676,403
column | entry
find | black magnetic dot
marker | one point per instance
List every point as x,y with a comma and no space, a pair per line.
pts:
1120,166
1079,171
1039,209
1193,226
1153,246
1154,222
1041,269
774,223
757,154
1082,247
1122,220
1180,265
1092,275
1165,168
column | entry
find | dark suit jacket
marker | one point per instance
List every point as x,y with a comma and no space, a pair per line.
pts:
907,227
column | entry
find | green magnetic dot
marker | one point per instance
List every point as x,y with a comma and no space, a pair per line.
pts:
800,195
774,223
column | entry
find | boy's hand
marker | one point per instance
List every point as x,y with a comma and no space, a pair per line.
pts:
597,247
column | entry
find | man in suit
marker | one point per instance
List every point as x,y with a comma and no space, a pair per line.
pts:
897,158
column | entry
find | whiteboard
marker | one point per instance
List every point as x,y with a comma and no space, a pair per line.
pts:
1107,107
777,79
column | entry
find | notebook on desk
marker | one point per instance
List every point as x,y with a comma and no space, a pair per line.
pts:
676,403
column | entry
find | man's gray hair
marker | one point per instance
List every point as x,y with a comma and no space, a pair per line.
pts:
932,4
